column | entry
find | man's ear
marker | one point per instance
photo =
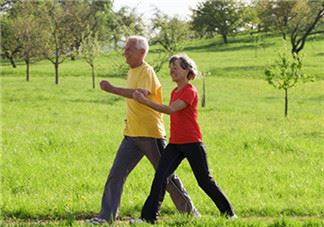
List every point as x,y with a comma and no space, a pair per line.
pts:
142,51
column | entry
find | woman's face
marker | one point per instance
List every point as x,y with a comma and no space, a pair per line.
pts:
177,73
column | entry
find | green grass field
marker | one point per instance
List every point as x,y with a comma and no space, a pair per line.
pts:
59,141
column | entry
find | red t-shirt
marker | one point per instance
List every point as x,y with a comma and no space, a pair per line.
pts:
184,123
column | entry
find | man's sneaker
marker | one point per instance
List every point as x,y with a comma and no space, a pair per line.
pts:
96,221
134,221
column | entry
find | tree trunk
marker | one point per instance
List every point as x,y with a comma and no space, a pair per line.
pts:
299,43
12,61
93,77
225,38
56,65
27,69
286,102
284,36
203,99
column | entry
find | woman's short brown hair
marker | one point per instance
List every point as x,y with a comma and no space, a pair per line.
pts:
186,63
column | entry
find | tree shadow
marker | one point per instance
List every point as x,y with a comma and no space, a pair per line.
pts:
244,69
106,101
214,47
319,98
21,216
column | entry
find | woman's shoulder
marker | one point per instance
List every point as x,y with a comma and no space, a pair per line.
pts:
190,87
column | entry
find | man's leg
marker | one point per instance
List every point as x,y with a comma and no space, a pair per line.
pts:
126,159
153,148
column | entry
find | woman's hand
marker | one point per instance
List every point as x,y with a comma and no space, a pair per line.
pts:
143,91
139,96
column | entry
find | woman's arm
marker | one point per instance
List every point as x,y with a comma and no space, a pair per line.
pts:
174,107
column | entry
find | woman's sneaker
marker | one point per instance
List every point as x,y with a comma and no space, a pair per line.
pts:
233,217
134,221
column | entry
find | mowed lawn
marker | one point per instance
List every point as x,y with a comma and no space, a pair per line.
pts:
59,141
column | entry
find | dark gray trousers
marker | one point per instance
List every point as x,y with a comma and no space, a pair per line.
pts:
130,152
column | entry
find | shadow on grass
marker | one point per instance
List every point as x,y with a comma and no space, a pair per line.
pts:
252,72
108,101
217,47
319,98
243,68
26,216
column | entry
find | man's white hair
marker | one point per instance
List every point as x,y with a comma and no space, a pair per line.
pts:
140,42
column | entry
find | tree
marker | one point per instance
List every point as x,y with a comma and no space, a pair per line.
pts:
219,16
275,15
30,31
168,32
30,34
204,95
84,14
305,23
60,39
123,23
286,73
89,50
297,18
10,43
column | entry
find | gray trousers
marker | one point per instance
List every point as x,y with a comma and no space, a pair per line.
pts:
130,152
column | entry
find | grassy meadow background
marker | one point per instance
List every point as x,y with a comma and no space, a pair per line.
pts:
59,141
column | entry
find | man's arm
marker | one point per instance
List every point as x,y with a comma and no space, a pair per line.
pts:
125,92
175,106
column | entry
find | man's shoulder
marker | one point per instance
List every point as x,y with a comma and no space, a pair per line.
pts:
148,68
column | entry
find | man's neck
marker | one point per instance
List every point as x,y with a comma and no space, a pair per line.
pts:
137,64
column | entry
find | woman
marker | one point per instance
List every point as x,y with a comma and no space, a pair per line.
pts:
185,141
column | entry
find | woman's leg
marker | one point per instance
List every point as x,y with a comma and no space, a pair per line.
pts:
153,148
168,163
196,155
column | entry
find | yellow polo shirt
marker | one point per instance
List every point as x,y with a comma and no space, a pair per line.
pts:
143,121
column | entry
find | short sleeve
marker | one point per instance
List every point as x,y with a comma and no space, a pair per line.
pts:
149,81
188,95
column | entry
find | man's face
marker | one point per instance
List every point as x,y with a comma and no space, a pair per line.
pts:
132,54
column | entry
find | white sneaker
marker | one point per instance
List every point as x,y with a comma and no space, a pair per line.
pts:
195,213
233,218
96,221
134,221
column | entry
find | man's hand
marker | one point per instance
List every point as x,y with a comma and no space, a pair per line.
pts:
139,96
106,86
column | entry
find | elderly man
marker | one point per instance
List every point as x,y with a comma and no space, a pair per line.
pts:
144,134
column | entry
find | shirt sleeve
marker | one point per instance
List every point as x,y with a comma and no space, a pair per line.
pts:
149,81
188,95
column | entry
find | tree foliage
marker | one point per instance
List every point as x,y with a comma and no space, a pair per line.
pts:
296,18
89,49
10,42
169,33
59,38
223,17
123,23
286,73
310,15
